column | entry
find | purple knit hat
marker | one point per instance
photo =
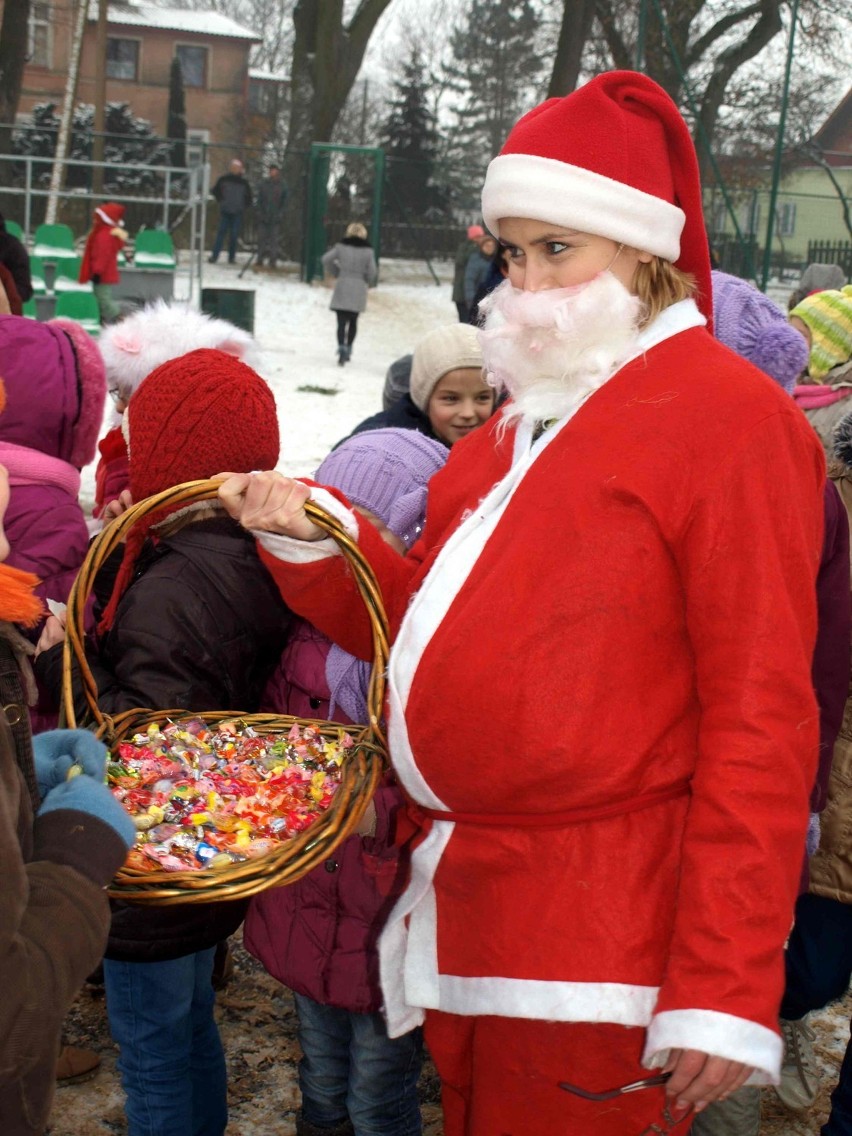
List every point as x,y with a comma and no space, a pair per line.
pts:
386,471
750,324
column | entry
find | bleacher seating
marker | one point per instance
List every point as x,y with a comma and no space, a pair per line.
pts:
82,307
38,276
154,248
67,273
54,242
29,308
14,230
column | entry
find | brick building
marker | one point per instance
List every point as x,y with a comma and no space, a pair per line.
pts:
223,104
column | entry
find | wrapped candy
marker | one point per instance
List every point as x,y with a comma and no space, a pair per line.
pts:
206,796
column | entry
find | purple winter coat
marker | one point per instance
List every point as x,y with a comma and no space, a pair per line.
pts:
55,386
47,536
318,936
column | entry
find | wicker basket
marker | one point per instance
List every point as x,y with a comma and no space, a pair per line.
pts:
361,771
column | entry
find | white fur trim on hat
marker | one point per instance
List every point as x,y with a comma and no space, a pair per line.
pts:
445,349
544,189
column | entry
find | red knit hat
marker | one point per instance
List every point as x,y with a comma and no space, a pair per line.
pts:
615,159
195,416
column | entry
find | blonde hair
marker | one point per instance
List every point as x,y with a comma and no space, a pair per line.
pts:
658,284
356,229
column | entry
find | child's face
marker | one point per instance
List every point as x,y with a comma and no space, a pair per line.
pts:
543,256
460,401
384,532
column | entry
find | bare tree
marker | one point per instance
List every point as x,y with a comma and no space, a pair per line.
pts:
696,48
574,30
13,56
327,55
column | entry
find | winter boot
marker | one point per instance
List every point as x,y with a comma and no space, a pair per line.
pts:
799,1078
305,1128
347,353
341,355
75,1065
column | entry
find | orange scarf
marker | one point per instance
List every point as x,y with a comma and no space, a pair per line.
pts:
18,603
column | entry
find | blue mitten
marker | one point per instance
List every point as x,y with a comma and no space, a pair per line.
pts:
89,796
57,750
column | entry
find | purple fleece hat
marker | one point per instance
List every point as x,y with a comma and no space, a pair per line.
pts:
750,324
55,388
386,471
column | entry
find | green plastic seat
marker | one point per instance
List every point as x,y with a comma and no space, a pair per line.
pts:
15,230
154,248
29,308
82,307
54,242
66,280
37,275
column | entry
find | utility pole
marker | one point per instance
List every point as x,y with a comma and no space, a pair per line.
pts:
58,171
100,99
779,149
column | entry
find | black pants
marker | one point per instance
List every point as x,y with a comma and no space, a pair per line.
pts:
347,326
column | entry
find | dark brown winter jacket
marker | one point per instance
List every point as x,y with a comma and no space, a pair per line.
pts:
54,913
200,628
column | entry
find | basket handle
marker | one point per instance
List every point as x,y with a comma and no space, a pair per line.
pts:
193,492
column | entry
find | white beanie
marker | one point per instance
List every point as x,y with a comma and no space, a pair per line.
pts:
444,349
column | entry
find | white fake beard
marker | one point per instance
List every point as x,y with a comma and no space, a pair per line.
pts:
550,350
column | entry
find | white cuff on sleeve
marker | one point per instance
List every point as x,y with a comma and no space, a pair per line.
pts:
721,1035
309,551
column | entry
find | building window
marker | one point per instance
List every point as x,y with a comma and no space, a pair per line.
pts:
122,59
193,65
196,147
38,35
785,219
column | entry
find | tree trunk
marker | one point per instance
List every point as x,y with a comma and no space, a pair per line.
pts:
327,55
13,54
577,17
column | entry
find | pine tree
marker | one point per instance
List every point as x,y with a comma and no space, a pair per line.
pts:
495,73
410,139
176,128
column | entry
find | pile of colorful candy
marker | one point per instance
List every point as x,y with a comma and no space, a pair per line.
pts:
208,796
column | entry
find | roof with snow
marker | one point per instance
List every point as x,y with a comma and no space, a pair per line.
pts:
137,13
267,76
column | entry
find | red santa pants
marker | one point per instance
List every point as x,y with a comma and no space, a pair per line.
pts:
500,1077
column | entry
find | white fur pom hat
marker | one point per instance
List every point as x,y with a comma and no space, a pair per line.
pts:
161,331
442,350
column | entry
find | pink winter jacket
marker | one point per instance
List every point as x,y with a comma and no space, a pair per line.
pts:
318,936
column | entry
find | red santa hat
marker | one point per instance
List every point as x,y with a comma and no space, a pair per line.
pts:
614,158
111,213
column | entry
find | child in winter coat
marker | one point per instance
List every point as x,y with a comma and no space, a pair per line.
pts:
60,843
105,241
352,262
448,396
55,390
132,349
193,620
318,936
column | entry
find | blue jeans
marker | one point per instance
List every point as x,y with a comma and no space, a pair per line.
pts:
172,1064
819,966
229,226
351,1068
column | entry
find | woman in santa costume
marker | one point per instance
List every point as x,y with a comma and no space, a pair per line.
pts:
599,691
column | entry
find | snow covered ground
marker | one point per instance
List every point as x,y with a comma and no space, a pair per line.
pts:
297,335
296,332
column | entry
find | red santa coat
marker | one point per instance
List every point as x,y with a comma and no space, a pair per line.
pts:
603,678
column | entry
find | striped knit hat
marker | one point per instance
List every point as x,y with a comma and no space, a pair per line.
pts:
828,315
